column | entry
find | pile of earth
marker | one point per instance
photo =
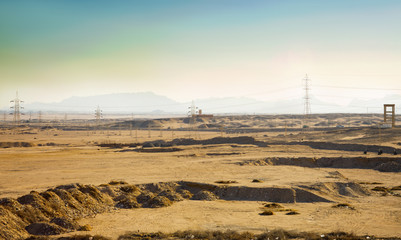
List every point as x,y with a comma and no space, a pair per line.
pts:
57,210
382,164
212,141
15,144
342,146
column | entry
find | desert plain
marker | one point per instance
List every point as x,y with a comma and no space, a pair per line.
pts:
253,173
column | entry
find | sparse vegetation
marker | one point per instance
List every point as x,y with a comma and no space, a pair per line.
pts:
85,227
233,235
117,182
292,213
266,213
380,189
396,188
344,205
226,182
273,205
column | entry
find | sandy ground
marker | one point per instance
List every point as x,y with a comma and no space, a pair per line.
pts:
75,158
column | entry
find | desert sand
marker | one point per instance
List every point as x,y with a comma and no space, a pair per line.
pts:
305,169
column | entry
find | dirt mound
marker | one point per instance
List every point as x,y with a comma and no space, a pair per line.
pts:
57,210
390,164
151,124
389,167
209,125
153,150
43,228
341,146
66,223
11,225
205,196
53,211
15,144
349,189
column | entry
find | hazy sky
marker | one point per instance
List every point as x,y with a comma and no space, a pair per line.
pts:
51,50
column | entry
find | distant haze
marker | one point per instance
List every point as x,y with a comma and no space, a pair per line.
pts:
150,103
186,50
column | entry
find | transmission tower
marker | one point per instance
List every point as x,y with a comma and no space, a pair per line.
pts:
192,110
192,116
17,107
307,110
40,116
98,115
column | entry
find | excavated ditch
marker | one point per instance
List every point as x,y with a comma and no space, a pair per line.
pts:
382,164
57,210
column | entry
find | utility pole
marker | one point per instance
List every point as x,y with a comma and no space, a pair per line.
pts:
17,107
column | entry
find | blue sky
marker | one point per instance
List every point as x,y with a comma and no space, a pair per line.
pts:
51,50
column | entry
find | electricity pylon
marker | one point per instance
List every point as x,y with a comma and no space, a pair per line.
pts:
307,110
98,116
17,107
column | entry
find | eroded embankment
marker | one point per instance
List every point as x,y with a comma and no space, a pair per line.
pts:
57,210
211,141
380,164
353,147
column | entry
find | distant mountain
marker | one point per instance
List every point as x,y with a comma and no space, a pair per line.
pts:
150,103
142,102
375,105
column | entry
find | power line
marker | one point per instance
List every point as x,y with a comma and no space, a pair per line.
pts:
361,88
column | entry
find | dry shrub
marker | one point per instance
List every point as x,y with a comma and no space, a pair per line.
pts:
143,236
266,213
117,182
396,188
380,189
226,182
292,213
84,237
213,235
85,227
344,205
273,205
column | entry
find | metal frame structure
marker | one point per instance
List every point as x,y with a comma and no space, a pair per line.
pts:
389,115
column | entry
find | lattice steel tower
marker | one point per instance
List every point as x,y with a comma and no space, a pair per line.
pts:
17,107
307,109
98,114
